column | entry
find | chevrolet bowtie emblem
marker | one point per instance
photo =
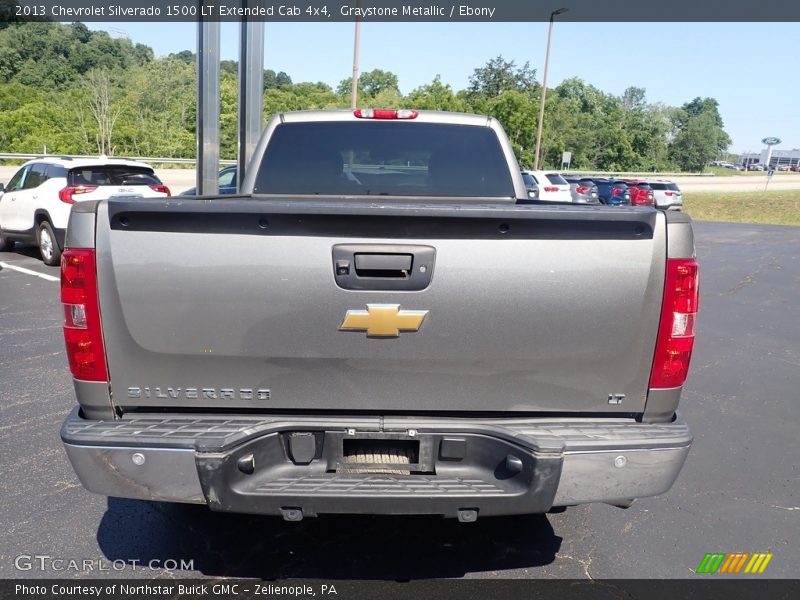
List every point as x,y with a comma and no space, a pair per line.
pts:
383,320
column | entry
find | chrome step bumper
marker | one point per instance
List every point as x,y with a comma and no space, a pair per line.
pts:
193,458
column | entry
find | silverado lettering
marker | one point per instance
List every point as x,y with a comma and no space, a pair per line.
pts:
192,393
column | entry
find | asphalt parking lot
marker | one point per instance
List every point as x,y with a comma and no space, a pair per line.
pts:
739,490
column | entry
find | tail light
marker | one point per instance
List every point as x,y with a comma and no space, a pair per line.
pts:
670,193
615,191
66,195
640,197
676,330
582,189
551,188
384,113
84,338
161,188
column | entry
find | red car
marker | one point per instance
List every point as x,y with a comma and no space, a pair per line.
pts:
641,193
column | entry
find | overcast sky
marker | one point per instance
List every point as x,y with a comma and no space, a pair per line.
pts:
749,68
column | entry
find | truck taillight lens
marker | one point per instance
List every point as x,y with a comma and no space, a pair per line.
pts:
82,334
676,330
68,193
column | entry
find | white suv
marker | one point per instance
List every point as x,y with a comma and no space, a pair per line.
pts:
666,195
552,186
35,204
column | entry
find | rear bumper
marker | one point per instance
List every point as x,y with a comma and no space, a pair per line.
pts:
490,466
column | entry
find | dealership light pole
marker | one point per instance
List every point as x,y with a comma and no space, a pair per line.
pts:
354,82
544,87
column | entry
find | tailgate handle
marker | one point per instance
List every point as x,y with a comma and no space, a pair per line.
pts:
402,267
383,265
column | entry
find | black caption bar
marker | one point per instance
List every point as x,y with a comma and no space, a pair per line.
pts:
248,589
401,10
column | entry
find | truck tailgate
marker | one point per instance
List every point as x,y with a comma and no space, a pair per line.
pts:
234,302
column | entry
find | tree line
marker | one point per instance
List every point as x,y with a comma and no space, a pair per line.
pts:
76,91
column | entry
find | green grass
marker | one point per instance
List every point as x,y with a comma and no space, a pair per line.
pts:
770,208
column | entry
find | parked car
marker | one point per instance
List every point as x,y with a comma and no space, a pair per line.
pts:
667,195
583,191
530,186
612,191
641,192
756,167
226,180
36,202
784,168
733,167
552,186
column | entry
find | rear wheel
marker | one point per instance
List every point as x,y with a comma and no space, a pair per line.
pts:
48,246
6,245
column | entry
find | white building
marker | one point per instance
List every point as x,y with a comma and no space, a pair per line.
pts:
779,157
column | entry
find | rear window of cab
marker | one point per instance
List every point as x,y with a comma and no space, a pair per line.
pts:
384,158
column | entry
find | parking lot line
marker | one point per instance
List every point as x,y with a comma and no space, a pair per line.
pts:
5,265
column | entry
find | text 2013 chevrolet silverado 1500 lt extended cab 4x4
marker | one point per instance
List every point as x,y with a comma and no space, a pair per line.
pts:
378,326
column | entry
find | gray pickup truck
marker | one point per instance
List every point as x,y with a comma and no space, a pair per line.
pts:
381,323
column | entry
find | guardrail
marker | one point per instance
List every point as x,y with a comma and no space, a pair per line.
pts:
146,159
193,161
